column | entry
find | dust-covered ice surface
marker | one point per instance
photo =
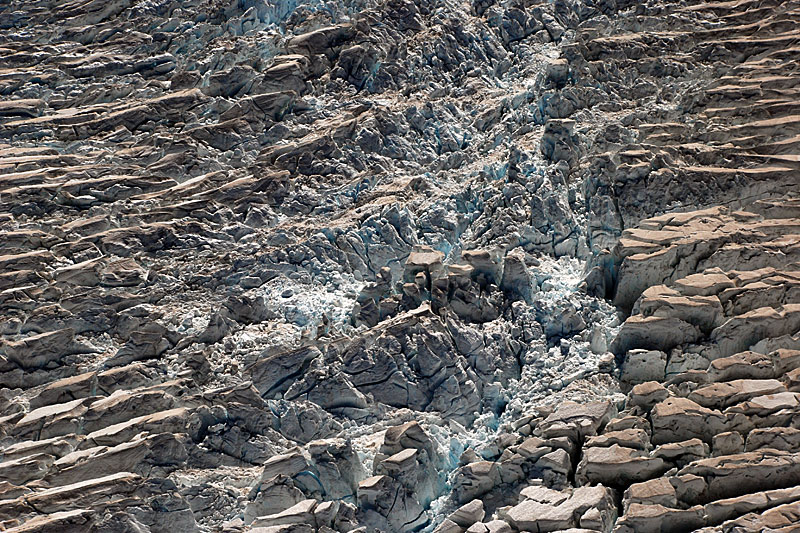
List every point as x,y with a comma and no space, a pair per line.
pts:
319,264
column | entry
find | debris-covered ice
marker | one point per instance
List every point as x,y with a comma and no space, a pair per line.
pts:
398,265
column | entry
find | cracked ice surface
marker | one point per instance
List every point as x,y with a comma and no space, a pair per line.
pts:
324,252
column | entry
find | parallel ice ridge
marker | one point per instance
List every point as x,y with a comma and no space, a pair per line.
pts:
403,265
